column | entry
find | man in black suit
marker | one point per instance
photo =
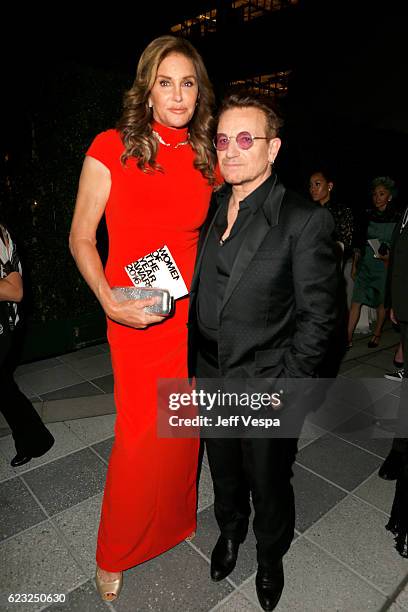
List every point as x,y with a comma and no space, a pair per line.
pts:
262,305
397,297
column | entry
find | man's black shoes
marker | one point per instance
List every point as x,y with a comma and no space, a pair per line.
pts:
20,459
269,585
223,558
391,468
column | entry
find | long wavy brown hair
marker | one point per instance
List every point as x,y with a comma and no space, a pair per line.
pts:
135,123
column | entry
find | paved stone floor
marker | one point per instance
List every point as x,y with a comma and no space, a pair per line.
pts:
342,558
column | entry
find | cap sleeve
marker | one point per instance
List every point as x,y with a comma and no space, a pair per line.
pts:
107,148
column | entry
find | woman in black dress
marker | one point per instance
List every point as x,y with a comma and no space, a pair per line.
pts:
31,437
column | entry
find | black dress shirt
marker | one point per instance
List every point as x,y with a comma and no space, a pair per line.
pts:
219,256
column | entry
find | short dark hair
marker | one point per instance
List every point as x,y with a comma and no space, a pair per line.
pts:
326,172
244,100
385,181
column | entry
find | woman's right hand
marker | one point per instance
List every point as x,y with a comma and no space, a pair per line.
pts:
130,312
353,273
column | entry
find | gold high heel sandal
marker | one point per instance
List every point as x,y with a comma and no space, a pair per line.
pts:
109,591
191,536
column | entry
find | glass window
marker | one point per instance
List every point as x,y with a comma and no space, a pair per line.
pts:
274,84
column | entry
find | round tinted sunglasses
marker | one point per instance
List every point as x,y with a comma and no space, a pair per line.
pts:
244,140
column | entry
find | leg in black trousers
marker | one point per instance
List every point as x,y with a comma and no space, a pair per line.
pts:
399,443
231,487
391,467
264,468
31,437
268,466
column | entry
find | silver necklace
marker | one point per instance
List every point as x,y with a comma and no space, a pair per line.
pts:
167,144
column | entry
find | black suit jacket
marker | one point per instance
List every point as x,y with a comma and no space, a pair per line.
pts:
279,305
397,293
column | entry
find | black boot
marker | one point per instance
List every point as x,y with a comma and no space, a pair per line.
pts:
269,585
223,558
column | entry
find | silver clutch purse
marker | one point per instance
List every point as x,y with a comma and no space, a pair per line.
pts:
163,307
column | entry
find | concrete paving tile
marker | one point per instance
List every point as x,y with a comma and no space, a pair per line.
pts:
83,389
362,392
51,379
363,431
84,477
93,429
65,442
83,599
365,370
36,561
340,462
19,510
78,407
105,383
397,391
333,412
104,448
93,367
6,471
385,407
237,603
402,599
207,536
85,353
314,582
382,359
176,581
313,497
378,492
104,347
80,526
348,365
342,390
360,349
205,491
355,533
309,433
396,608
37,366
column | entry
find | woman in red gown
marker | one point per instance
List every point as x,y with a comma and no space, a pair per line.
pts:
153,178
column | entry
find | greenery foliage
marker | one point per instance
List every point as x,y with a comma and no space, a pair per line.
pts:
68,106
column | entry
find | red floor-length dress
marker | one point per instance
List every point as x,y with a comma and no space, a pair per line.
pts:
149,503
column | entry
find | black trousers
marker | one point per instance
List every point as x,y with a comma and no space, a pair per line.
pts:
31,437
258,467
400,443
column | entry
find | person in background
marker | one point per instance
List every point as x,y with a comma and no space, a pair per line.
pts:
398,373
31,436
153,177
321,187
369,266
395,466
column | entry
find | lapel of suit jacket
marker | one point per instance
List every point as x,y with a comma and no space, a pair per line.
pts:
196,274
265,217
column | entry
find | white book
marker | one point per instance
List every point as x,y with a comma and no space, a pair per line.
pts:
375,245
158,269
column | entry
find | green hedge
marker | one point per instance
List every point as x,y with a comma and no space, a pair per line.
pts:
68,107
